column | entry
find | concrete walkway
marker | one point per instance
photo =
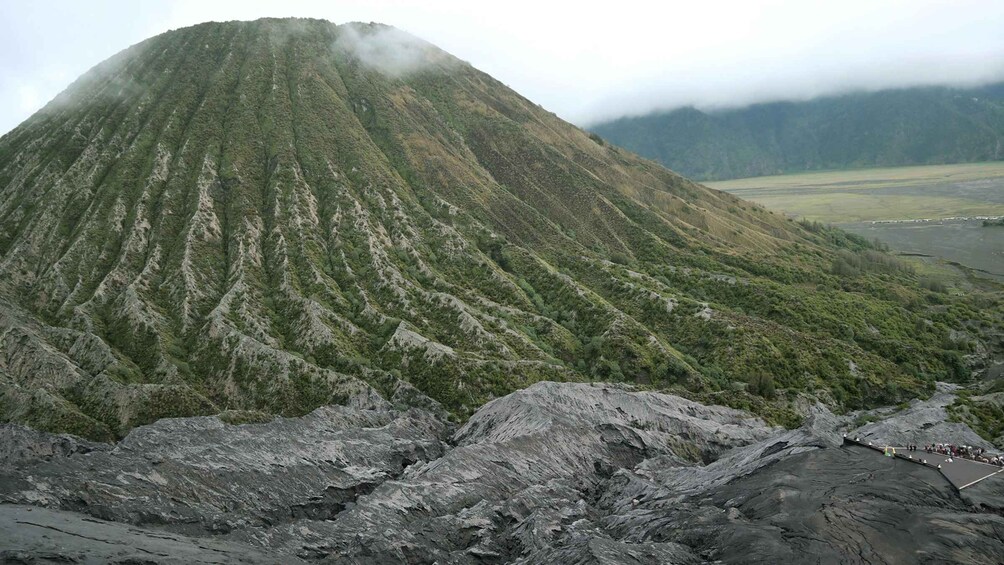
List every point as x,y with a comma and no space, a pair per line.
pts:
963,472
960,472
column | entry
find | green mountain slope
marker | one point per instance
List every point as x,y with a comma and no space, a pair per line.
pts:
269,216
894,127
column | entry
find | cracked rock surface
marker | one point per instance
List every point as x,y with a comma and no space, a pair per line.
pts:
555,473
41,535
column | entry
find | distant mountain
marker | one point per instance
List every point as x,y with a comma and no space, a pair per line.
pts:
912,126
264,217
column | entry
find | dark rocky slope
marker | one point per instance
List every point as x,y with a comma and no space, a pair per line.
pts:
556,473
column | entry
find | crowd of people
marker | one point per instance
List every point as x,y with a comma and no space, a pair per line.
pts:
965,452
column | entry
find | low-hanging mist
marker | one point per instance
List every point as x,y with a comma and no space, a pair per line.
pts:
585,65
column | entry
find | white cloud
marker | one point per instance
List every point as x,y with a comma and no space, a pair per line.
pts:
29,100
389,50
585,61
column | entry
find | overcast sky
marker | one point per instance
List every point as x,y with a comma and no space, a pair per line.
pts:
584,62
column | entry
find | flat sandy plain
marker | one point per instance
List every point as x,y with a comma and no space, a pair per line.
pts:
927,210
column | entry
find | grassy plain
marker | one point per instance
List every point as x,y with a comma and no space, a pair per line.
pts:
896,193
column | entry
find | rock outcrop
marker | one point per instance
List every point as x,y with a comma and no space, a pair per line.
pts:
569,473
921,423
203,477
41,535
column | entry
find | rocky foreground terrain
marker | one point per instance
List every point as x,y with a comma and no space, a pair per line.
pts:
555,473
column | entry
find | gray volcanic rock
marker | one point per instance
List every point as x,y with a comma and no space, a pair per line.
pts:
555,473
524,466
201,476
41,535
922,423
20,445
833,505
986,495
660,420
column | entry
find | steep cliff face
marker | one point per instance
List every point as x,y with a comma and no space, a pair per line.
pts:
267,217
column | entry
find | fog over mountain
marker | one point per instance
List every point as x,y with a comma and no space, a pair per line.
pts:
587,66
896,127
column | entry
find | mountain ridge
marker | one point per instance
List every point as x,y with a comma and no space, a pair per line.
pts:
906,126
265,217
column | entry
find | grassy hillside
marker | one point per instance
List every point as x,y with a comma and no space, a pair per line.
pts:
269,216
913,126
